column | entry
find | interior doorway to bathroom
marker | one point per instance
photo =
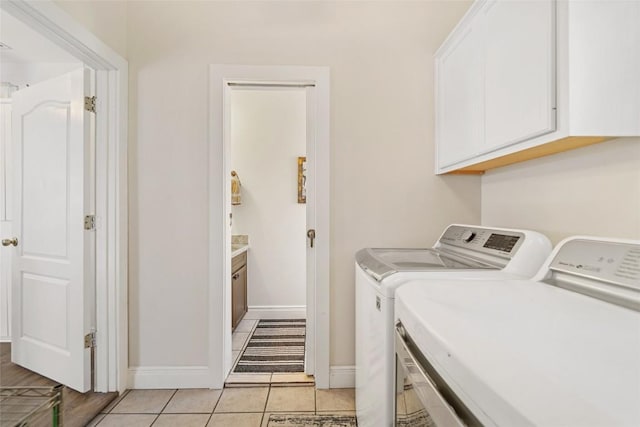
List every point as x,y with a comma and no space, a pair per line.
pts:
271,124
268,143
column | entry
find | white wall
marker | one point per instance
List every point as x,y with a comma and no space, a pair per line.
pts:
268,133
592,190
28,73
383,191
106,19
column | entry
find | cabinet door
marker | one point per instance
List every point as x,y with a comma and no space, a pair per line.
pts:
459,95
242,292
238,296
519,71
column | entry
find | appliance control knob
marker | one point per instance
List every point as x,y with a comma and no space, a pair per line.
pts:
468,236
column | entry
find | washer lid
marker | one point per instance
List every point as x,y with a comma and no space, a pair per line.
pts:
521,352
382,262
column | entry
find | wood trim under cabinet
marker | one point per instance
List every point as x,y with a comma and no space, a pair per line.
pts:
558,146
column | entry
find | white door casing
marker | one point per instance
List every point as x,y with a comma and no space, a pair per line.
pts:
317,188
311,204
53,264
5,219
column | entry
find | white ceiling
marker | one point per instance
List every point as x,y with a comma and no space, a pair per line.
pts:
27,45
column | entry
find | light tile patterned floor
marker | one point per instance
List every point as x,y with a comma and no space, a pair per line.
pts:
231,407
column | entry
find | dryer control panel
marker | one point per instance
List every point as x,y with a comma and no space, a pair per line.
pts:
608,270
502,243
611,262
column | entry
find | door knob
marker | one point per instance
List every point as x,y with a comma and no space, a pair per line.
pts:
311,234
10,242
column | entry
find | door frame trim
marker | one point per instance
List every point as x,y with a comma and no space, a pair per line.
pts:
219,235
51,21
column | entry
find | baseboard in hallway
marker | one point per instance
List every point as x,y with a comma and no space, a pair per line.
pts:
257,312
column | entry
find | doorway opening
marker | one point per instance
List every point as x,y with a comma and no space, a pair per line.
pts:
268,144
303,92
41,32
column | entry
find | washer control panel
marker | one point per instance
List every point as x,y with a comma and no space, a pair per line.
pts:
489,241
611,262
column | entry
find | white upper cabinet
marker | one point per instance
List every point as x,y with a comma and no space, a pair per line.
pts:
516,80
604,57
461,90
519,71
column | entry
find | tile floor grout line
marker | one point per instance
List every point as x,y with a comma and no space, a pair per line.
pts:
154,421
265,405
244,345
167,404
210,416
217,400
116,402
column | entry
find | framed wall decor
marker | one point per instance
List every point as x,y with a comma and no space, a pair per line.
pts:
302,180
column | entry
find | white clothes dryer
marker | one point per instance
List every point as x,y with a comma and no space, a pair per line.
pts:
561,349
462,252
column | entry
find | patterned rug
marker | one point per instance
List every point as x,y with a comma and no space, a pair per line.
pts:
276,345
284,420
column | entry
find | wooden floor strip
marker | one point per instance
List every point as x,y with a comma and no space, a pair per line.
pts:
78,408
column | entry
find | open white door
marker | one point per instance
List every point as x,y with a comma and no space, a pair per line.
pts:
53,262
310,173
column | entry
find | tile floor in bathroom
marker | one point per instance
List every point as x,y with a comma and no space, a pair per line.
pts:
231,407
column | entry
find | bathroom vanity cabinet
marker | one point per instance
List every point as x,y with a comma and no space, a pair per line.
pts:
238,288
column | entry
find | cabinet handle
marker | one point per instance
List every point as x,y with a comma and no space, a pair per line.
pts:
235,276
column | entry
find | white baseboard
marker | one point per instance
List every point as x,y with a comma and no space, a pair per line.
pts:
276,312
169,377
342,376
5,339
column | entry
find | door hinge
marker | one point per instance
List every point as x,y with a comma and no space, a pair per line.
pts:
89,222
90,340
90,103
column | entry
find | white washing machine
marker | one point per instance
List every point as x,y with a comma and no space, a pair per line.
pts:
561,349
462,252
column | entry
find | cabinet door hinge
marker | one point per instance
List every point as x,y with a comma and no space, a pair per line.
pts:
90,340
90,103
89,222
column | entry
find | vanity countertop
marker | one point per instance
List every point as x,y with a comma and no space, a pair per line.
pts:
238,248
